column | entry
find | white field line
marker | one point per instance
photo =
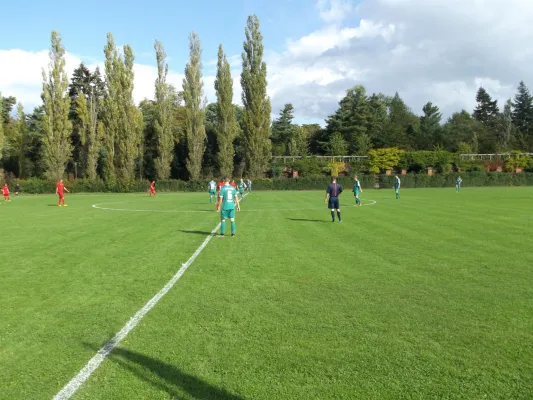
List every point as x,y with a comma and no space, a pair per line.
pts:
98,206
72,387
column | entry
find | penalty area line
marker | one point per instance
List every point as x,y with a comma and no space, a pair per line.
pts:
72,387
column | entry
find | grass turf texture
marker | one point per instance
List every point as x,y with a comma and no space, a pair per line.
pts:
428,296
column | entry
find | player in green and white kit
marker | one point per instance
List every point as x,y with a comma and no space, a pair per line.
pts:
229,201
242,188
458,183
249,185
356,190
212,187
397,184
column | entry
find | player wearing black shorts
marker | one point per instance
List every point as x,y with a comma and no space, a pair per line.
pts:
332,198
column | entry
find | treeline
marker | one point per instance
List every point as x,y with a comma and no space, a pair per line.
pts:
90,127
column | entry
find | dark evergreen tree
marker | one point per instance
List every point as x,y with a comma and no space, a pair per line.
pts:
282,131
429,127
486,110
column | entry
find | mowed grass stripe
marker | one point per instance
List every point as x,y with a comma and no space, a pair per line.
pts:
399,301
76,275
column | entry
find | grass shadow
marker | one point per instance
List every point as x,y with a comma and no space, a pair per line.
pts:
306,220
167,377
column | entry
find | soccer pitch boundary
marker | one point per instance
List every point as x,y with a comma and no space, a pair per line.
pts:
75,383
98,207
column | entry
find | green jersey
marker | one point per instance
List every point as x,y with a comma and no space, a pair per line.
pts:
397,182
242,185
227,195
458,181
212,186
356,186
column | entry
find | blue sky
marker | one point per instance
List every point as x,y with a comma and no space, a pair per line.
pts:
84,25
315,50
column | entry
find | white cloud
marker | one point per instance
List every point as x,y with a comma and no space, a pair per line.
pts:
439,51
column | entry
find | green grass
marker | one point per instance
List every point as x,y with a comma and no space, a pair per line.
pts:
430,296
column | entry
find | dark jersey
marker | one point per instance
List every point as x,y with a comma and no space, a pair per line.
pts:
334,190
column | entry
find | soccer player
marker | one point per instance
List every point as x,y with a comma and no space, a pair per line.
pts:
228,199
458,183
232,183
397,184
249,184
212,187
220,185
152,189
242,188
332,198
356,190
17,190
5,189
60,187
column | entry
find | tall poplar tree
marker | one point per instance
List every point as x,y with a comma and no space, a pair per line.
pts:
195,110
226,125
256,114
18,140
122,119
111,109
164,101
57,127
90,132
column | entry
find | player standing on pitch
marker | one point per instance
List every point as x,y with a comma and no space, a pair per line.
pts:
397,184
17,190
5,189
332,198
60,187
242,188
152,189
458,183
212,187
228,199
356,190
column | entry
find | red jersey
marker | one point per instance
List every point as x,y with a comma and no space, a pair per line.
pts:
152,186
232,183
220,185
59,188
5,189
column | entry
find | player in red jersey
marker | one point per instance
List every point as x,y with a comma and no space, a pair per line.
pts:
60,187
5,189
152,189
220,185
232,183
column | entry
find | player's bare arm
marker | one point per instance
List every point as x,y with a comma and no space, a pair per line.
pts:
238,204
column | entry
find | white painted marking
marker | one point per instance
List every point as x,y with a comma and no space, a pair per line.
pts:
72,387
95,362
98,206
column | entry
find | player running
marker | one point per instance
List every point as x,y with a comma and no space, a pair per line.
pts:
60,187
242,188
332,198
212,187
397,184
356,190
220,185
5,190
458,183
228,199
152,189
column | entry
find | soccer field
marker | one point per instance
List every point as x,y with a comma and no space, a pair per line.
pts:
429,296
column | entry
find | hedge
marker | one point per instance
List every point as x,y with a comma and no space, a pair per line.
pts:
421,180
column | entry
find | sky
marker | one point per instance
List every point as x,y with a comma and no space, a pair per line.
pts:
427,50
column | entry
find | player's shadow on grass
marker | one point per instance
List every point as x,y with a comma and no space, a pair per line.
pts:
167,377
306,220
203,233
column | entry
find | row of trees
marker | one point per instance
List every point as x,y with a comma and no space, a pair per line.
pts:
93,126
90,125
